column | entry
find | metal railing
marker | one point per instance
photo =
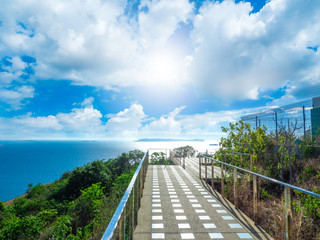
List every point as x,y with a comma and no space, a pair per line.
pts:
203,160
125,218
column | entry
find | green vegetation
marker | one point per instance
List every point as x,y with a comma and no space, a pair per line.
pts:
159,158
287,158
77,206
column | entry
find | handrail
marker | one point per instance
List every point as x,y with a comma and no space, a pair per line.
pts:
267,178
108,234
287,187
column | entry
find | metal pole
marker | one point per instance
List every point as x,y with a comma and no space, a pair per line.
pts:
200,167
259,123
256,122
304,122
276,126
205,167
235,192
288,212
222,181
255,199
212,175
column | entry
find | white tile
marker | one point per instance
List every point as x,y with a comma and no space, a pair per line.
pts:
156,205
204,193
157,236
207,196
188,192
155,193
196,205
157,225
156,200
173,196
156,210
183,225
155,196
176,205
221,211
244,235
215,205
193,200
204,217
181,217
157,218
211,200
200,211
178,210
175,200
227,218
215,235
202,190
187,235
235,225
209,225
190,196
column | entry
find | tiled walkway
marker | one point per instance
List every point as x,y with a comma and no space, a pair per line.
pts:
176,206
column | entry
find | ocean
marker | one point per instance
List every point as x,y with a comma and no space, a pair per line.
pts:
24,162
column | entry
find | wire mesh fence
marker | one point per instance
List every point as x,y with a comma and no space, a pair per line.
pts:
304,116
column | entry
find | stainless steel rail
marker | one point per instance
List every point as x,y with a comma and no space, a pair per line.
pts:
125,218
287,187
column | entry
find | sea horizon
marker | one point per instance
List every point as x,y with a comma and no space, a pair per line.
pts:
44,161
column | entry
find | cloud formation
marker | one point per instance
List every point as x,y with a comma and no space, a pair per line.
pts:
238,55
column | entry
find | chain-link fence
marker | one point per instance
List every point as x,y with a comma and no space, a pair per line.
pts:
303,116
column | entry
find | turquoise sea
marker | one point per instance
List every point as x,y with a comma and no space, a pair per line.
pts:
24,162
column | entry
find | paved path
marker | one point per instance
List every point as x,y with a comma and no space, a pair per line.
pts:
175,205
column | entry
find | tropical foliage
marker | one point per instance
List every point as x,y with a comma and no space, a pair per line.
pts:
77,206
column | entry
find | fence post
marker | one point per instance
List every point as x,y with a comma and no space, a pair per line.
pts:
276,126
212,174
222,181
205,167
255,198
200,168
304,123
235,192
121,231
288,212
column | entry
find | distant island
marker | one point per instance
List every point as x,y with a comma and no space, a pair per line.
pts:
168,140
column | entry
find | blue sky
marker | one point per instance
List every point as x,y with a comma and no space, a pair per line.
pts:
108,69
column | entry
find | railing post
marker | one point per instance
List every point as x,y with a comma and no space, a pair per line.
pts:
250,162
184,162
255,199
200,168
205,167
131,219
121,235
288,212
212,174
222,181
235,192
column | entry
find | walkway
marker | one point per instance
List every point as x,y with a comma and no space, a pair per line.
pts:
175,205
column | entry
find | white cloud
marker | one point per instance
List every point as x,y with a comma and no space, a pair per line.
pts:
15,97
238,55
90,42
126,123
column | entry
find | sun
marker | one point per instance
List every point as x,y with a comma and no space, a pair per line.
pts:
164,68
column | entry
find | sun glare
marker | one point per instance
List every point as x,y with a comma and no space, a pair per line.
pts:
165,68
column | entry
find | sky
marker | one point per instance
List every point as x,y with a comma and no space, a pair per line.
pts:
110,70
